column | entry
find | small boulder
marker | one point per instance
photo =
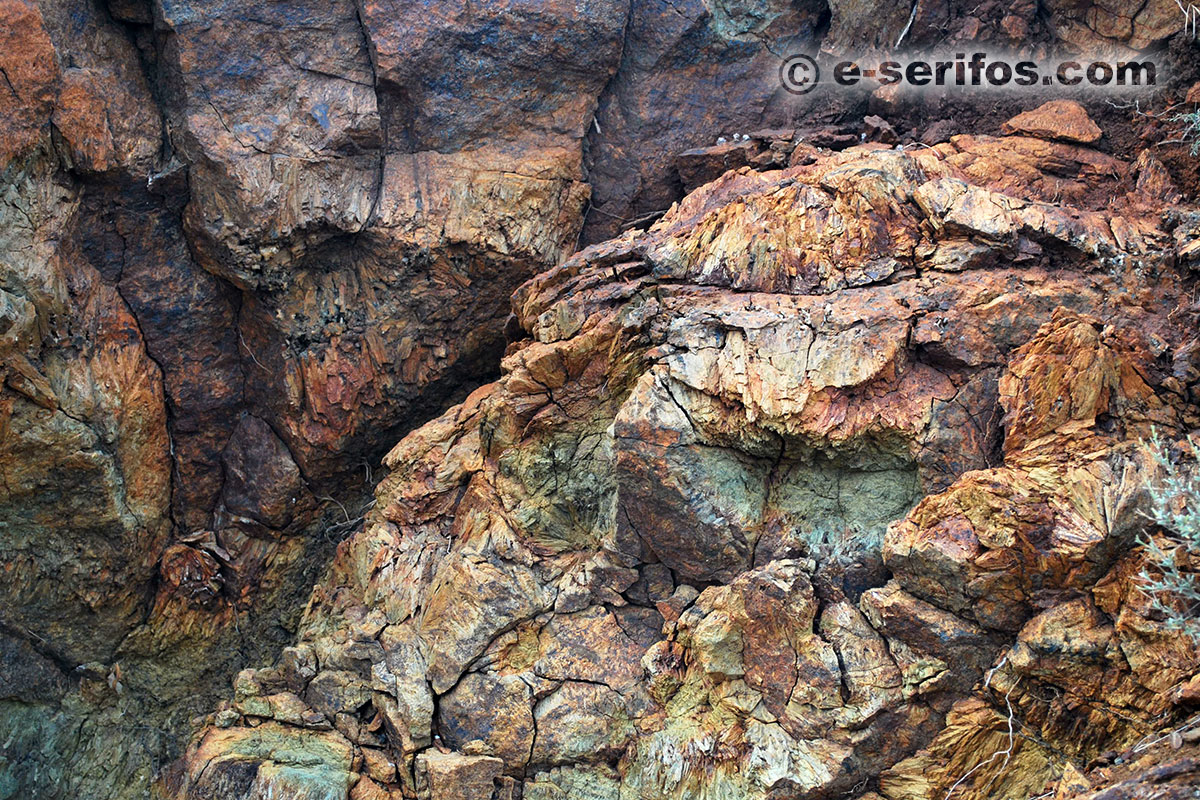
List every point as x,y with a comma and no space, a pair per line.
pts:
1064,120
703,164
463,777
939,132
877,129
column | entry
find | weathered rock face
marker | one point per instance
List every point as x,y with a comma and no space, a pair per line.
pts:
85,434
239,244
678,55
659,102
244,248
825,483
379,194
1092,24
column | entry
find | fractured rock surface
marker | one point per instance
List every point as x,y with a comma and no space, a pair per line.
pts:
246,247
806,491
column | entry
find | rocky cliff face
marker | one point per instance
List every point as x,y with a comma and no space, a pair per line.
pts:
821,479
654,559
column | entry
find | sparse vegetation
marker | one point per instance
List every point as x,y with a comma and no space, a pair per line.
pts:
1171,579
1191,130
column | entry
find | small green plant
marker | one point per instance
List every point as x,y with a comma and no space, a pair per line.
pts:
1175,507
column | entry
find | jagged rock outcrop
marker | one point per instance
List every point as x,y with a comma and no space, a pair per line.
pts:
654,559
239,244
245,248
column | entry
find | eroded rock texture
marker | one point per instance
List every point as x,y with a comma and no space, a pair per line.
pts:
239,243
826,484
246,247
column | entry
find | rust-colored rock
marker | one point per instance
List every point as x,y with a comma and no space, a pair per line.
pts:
454,775
1062,120
31,77
651,557
1100,24
800,481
